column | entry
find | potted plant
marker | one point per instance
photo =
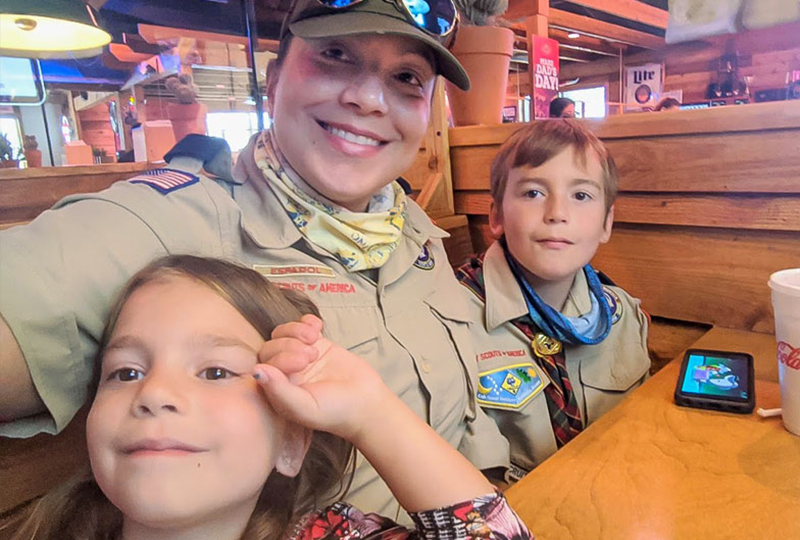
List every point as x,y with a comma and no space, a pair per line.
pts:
31,150
7,160
485,50
185,113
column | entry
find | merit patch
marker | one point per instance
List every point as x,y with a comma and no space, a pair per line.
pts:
165,180
614,303
294,270
425,260
509,387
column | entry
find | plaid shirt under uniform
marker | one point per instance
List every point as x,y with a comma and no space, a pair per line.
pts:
539,402
565,415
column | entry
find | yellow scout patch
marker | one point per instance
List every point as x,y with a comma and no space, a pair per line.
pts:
543,345
509,387
294,270
614,303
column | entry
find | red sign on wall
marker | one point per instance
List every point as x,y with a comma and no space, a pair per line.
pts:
544,62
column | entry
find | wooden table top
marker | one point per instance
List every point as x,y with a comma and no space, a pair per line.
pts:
650,470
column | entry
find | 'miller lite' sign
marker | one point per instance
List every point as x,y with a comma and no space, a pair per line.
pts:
643,86
544,68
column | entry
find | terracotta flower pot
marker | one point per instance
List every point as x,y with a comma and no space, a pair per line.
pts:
485,52
187,118
34,158
9,164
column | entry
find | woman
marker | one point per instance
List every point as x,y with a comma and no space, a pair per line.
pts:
313,206
562,107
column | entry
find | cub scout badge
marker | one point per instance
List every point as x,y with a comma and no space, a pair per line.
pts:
543,345
165,180
508,387
614,303
425,260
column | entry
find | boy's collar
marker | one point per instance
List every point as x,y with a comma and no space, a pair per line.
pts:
504,300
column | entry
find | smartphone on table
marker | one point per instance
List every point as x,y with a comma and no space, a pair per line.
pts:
716,380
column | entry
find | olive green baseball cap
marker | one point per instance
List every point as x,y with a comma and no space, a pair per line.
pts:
311,19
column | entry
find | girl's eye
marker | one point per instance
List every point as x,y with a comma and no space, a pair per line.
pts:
125,375
216,374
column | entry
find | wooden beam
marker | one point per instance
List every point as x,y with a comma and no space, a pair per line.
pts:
153,34
632,10
603,30
521,9
600,46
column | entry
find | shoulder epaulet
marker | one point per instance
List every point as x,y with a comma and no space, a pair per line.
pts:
165,180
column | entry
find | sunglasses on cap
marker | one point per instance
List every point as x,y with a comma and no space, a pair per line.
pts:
436,17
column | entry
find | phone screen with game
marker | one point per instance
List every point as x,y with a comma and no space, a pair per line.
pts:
716,380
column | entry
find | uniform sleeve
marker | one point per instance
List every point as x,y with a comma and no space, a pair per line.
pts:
489,517
60,274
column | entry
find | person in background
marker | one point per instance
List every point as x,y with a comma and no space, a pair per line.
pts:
312,205
555,348
221,412
668,104
562,107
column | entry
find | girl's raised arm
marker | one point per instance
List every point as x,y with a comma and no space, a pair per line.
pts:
321,385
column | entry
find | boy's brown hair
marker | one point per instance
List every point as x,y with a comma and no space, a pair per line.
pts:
539,142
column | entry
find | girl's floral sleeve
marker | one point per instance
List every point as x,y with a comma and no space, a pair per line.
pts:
488,517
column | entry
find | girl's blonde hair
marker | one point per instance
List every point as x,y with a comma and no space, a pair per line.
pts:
78,510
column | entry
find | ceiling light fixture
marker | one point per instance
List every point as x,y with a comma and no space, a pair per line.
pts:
573,35
50,29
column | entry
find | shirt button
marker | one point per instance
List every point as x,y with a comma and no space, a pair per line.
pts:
426,367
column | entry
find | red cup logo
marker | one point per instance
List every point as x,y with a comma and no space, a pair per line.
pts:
788,355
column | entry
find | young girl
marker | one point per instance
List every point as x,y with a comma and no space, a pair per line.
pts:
184,444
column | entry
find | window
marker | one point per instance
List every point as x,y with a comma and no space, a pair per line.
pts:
236,127
589,102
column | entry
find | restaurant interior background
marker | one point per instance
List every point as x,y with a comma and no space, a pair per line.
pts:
176,68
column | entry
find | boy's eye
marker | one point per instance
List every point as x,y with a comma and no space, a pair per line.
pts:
532,193
125,375
216,373
583,196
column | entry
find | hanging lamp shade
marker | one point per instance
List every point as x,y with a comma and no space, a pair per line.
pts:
50,29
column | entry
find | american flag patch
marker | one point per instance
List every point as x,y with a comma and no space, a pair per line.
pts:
165,180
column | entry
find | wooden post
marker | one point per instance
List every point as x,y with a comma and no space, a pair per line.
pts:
436,197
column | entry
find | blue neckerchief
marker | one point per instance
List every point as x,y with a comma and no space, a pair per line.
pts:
588,329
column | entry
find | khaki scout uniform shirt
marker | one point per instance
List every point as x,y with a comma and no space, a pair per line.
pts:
601,375
61,272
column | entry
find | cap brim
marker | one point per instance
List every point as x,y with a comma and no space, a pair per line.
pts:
354,23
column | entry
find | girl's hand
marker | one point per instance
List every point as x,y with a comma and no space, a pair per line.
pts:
312,381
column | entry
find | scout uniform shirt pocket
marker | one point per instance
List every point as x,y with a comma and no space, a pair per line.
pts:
511,391
607,379
443,352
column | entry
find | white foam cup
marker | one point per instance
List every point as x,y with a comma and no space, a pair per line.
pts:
785,286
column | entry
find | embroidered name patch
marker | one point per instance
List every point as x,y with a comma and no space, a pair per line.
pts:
294,270
509,387
425,260
165,180
614,303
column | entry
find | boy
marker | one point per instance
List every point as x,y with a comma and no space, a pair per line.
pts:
556,349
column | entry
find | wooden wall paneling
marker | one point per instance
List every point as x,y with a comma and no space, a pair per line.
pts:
754,162
714,276
740,211
28,192
668,338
